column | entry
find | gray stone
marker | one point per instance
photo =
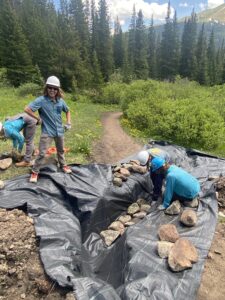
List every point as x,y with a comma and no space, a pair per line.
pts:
192,204
132,222
189,217
5,163
164,248
168,232
139,169
145,207
2,184
124,219
174,208
141,201
109,236
117,181
140,214
182,255
118,226
133,208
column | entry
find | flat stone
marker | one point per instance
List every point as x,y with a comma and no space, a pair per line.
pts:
128,166
189,217
121,176
182,255
139,169
117,181
132,222
192,204
168,232
5,163
109,236
135,162
124,219
2,184
125,172
145,207
140,214
133,208
141,201
118,226
174,208
164,248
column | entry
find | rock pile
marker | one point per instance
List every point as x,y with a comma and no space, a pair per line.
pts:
122,171
135,212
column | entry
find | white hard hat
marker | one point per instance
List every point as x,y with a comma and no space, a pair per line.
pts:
53,81
143,157
1,126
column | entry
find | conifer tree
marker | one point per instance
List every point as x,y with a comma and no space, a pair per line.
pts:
201,55
152,51
118,45
131,41
211,55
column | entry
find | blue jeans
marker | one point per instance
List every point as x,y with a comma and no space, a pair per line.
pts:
157,180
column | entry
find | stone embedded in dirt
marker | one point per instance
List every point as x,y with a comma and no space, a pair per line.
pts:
121,176
135,162
2,184
140,214
124,172
5,163
192,204
174,208
189,217
139,169
133,221
210,256
168,232
109,236
182,255
141,201
145,207
43,285
118,226
133,208
117,181
124,219
164,248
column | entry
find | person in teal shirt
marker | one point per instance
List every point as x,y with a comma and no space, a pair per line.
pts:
12,128
180,185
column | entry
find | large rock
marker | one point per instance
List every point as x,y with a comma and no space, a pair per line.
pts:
193,203
189,217
118,226
140,214
139,169
117,181
182,255
135,162
5,163
121,176
168,232
174,208
125,172
164,248
109,236
124,219
145,207
133,208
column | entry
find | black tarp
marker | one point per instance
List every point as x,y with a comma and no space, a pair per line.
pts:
70,211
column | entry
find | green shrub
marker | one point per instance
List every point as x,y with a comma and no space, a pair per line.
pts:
3,78
29,89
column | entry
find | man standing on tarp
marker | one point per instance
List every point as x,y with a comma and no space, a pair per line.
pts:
180,185
145,157
11,129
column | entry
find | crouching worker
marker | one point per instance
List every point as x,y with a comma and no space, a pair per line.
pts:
180,185
50,107
145,157
11,129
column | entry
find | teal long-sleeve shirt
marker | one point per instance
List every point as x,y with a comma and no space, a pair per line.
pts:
180,182
12,131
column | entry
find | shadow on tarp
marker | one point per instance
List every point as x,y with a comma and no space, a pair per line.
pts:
70,211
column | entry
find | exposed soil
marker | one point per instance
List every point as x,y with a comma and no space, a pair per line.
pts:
21,272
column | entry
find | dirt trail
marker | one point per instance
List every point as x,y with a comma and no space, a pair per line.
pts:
115,143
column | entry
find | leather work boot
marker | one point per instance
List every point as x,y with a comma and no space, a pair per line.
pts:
23,163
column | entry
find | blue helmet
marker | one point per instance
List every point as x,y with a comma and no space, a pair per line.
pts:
157,163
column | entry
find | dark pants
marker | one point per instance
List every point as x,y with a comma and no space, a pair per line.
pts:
157,180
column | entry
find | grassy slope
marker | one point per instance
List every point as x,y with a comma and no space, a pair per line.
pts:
86,127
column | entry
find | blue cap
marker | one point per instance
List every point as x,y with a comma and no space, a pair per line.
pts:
157,163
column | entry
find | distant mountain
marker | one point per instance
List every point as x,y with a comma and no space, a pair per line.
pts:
216,15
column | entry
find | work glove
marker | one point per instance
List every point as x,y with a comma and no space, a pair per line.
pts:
161,207
67,126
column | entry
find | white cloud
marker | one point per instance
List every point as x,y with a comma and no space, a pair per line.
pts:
184,4
203,6
124,9
214,3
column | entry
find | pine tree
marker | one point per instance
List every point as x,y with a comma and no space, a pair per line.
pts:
15,56
131,42
118,45
152,51
140,58
211,55
201,55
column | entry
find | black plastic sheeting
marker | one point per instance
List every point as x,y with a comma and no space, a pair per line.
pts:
70,211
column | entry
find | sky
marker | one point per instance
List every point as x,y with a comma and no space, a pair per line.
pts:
158,8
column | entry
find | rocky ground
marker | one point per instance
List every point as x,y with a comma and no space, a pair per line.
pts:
21,272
